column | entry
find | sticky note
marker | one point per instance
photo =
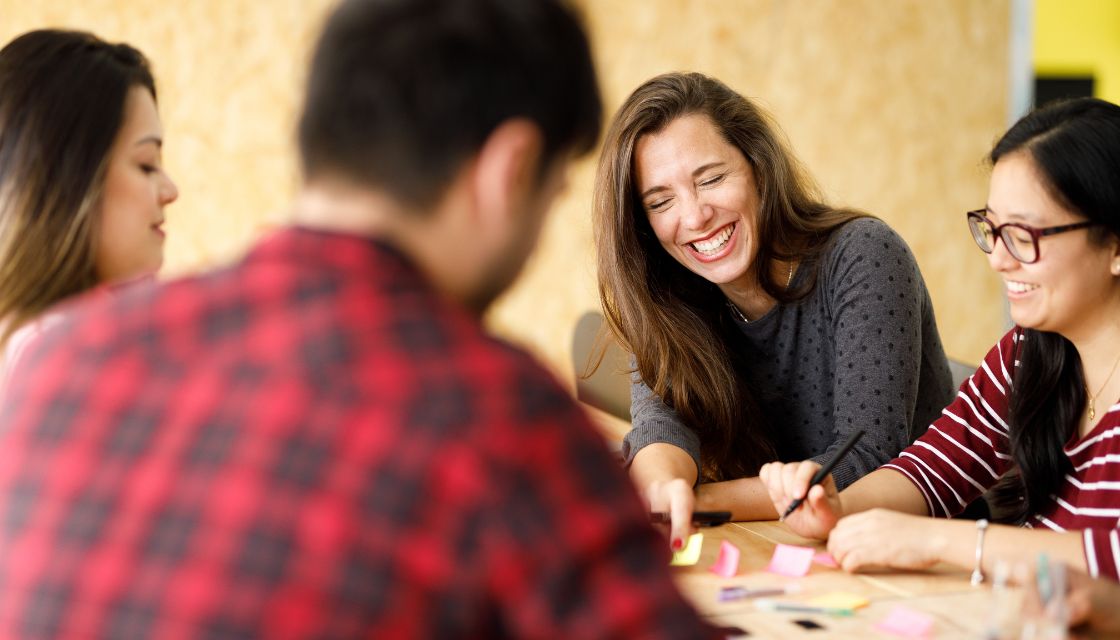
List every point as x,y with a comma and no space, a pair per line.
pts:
826,559
690,555
840,600
905,622
790,560
727,565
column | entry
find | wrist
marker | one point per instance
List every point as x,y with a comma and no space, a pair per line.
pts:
704,499
978,554
841,511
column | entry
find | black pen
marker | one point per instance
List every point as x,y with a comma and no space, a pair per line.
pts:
823,472
699,518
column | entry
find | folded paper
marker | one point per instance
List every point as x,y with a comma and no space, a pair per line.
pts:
826,559
790,560
727,565
690,555
840,600
907,623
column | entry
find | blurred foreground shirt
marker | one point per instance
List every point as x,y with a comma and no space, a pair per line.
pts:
311,444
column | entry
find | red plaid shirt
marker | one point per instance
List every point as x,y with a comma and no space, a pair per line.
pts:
311,444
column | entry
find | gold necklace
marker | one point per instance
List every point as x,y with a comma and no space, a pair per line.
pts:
1093,396
740,315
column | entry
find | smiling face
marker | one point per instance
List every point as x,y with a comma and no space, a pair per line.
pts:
701,199
1072,287
130,237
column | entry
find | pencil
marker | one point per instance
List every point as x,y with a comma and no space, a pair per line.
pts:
764,604
823,472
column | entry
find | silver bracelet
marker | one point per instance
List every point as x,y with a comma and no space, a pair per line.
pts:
978,570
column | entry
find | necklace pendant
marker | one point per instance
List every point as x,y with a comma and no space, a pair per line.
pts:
1092,414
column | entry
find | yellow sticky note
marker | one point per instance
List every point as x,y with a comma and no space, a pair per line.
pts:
690,555
840,600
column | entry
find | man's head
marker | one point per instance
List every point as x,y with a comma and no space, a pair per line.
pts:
479,101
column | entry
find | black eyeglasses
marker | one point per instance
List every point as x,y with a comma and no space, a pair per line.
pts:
1021,240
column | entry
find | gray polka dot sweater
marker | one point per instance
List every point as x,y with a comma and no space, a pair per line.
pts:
860,351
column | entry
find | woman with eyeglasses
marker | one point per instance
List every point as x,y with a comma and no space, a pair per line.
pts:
1039,421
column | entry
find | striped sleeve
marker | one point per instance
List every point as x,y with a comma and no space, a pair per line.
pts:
1090,497
1102,552
965,450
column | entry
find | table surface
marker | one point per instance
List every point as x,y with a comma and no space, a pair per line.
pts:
958,609
943,593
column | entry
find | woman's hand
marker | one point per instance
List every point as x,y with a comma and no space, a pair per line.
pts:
676,498
785,483
1087,601
881,538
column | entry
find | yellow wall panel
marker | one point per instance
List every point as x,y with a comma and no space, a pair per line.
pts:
891,105
1080,37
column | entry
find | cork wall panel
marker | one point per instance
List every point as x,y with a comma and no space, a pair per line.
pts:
890,105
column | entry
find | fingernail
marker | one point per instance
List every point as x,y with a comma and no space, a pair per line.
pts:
677,544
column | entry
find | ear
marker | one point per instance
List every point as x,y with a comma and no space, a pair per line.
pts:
505,171
1114,265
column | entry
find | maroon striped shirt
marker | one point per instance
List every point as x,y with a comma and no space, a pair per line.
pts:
966,450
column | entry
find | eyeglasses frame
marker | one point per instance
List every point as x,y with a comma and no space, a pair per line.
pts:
1035,233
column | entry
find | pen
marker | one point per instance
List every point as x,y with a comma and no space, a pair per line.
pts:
727,594
777,605
823,472
1045,586
699,518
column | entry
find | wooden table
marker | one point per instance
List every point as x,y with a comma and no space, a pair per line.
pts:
958,609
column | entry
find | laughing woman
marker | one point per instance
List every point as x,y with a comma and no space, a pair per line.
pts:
1039,422
764,323
82,188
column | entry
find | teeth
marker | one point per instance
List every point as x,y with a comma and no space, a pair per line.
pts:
716,242
1020,287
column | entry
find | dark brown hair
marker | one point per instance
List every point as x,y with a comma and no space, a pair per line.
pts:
402,92
62,101
675,322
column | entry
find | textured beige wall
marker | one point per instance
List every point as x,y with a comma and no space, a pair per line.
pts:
890,104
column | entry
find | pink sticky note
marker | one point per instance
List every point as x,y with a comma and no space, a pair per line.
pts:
727,565
907,623
826,559
791,561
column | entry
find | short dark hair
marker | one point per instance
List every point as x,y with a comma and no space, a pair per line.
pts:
62,103
401,92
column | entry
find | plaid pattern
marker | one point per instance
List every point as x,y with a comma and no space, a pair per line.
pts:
312,444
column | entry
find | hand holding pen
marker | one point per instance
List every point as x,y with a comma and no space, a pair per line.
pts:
809,511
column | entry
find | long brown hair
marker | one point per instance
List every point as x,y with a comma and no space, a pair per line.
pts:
62,101
675,322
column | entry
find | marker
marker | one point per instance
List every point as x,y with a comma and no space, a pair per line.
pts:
823,472
728,594
764,604
1045,586
699,518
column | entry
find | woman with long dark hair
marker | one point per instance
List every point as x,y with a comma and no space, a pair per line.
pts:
82,187
764,323
1039,421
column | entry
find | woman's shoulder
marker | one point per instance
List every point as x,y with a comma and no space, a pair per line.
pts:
866,232
867,241
22,337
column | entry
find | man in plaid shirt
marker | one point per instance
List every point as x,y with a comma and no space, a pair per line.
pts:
321,441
